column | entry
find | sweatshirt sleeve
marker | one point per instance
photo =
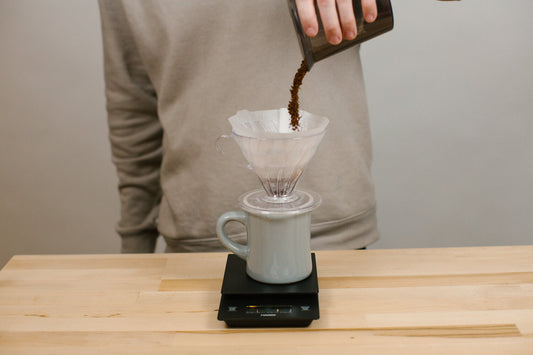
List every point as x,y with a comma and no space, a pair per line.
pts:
135,131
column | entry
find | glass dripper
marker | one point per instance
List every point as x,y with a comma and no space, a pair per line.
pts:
275,152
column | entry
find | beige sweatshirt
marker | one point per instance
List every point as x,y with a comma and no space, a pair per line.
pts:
175,70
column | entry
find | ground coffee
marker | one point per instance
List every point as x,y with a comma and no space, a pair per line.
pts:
293,103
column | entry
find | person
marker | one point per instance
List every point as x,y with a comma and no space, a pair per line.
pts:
176,70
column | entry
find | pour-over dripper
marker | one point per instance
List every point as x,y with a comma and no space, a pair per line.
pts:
276,153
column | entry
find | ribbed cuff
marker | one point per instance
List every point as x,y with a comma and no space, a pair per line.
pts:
139,243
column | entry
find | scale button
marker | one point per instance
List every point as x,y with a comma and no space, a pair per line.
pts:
232,308
305,308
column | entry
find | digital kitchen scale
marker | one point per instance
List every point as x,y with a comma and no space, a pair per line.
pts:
246,302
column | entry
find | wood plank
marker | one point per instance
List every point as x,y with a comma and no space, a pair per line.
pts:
256,342
420,262
509,278
190,285
86,261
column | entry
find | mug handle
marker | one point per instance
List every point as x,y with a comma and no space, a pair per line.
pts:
240,250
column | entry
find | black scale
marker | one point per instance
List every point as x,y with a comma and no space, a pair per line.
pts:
246,302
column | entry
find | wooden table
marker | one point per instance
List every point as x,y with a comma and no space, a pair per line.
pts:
453,300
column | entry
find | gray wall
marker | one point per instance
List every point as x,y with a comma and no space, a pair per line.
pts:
449,91
451,102
57,182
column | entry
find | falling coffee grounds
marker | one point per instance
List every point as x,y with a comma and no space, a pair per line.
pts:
293,103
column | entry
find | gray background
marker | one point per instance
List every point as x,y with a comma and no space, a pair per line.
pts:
449,93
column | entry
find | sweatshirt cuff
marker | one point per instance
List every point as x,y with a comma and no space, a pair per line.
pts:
139,243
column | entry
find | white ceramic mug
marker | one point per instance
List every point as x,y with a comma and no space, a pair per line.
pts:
278,250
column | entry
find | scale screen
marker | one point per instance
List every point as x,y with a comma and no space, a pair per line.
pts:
264,310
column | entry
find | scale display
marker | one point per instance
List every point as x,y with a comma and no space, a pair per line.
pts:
270,310
249,303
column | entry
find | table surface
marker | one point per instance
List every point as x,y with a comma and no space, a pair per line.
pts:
445,300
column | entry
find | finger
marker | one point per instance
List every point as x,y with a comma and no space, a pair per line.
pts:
307,14
347,18
370,10
330,20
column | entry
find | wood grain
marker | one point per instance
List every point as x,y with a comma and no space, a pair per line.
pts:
449,300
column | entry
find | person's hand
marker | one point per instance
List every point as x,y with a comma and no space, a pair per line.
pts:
337,17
